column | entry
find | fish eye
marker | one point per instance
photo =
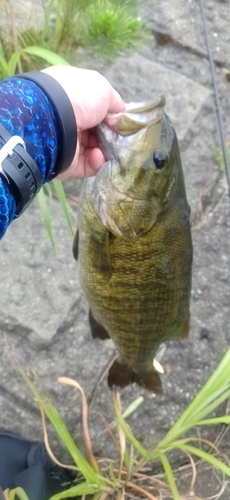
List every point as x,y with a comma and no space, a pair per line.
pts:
160,158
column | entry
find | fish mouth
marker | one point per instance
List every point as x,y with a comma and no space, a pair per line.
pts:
141,113
122,129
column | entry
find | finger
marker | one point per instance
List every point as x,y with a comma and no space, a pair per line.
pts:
117,104
90,162
88,139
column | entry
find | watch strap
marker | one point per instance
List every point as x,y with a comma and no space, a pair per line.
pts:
65,114
19,170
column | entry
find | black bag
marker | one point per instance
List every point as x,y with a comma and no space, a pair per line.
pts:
26,464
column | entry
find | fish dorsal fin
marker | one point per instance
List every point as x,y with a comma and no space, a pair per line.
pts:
138,116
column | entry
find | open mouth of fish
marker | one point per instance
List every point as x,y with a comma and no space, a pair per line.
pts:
136,116
122,129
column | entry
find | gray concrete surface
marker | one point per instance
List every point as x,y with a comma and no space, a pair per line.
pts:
43,312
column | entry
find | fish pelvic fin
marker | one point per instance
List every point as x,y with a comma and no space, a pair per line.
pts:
97,330
75,245
121,376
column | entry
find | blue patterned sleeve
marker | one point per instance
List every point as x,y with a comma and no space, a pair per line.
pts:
25,110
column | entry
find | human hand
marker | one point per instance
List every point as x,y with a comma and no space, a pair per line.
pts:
92,97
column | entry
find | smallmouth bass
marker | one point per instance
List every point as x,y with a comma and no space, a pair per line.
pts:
133,242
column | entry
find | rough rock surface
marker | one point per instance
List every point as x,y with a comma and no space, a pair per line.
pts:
43,312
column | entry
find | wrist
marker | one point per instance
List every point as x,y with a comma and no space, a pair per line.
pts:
65,115
18,170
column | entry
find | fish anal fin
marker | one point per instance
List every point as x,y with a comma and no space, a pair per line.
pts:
97,330
75,245
184,330
121,376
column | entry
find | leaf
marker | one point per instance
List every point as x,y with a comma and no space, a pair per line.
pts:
12,64
58,186
86,435
18,494
215,391
80,490
46,217
46,54
132,407
143,452
170,476
206,456
63,433
4,66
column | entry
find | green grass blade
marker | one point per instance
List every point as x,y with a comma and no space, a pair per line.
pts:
209,407
215,391
4,66
143,452
225,419
12,64
46,217
80,490
45,54
47,14
193,420
58,186
58,424
170,476
132,407
205,456
18,494
188,440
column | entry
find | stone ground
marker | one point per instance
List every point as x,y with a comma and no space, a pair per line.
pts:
43,316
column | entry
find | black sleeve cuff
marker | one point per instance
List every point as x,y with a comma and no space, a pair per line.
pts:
65,114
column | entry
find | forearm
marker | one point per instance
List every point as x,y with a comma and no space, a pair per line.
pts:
27,111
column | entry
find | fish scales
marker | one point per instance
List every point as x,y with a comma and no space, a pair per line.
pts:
137,285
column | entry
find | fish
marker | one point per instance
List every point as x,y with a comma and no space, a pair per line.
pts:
133,242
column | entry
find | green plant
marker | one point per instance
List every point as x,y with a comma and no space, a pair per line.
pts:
93,480
16,494
8,66
104,27
111,28
54,188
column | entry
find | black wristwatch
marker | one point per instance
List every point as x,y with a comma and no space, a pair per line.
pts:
19,170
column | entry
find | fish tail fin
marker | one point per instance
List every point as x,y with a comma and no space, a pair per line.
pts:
150,381
121,376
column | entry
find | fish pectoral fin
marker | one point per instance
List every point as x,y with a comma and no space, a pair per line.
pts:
97,330
75,245
100,248
121,376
